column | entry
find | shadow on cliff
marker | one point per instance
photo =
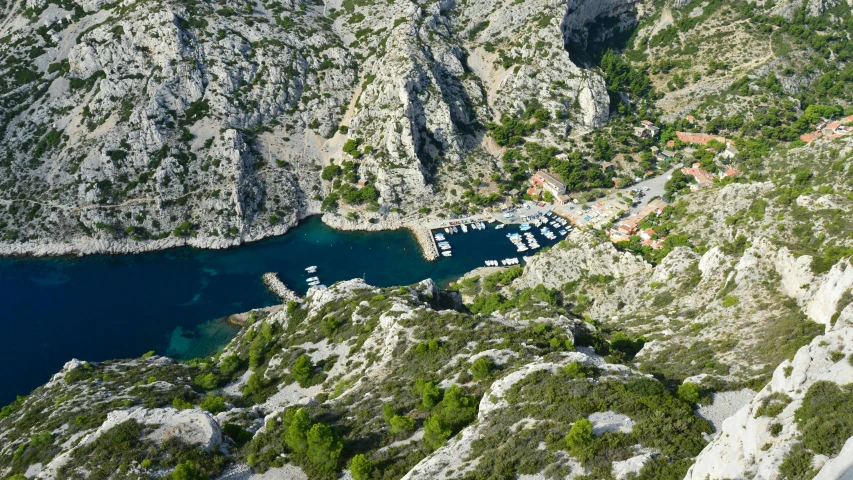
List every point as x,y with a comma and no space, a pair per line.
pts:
587,47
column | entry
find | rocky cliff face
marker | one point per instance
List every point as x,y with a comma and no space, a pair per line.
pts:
133,126
774,435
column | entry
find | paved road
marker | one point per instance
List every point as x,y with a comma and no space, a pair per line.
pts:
655,185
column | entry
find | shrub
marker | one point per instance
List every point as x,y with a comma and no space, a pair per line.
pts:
436,432
303,371
579,370
482,368
401,423
775,429
797,464
324,447
825,418
187,471
361,467
207,381
213,404
772,405
229,365
181,404
580,439
689,392
431,395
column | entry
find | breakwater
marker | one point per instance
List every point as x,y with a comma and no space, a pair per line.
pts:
423,235
278,287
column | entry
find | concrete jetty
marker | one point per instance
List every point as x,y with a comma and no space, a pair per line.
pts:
425,239
278,287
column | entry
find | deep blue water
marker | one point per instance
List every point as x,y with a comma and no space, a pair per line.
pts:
119,306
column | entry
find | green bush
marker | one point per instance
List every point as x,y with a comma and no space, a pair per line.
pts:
689,392
580,439
482,368
825,419
579,370
324,447
431,395
772,405
361,467
187,471
207,381
213,404
401,423
436,432
303,371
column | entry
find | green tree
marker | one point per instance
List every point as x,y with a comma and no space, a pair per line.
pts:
187,471
457,408
303,371
482,368
297,425
324,447
401,423
436,432
229,365
331,172
431,395
580,439
207,381
361,467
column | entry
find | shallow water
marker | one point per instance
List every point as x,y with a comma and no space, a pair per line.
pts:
118,306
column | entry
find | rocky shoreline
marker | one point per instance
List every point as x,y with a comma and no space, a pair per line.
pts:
100,246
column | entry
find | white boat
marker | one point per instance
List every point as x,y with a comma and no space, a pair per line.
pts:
464,228
312,279
502,225
446,254
311,269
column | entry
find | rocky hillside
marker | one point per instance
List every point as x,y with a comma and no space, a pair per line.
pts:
798,426
137,125
389,383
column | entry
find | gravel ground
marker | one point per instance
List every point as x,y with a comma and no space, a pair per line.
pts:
724,406
610,421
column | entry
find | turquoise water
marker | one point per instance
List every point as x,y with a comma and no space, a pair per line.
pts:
119,306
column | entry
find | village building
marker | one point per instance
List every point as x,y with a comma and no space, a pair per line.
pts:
702,177
830,130
646,129
664,155
699,138
730,152
562,199
549,183
631,225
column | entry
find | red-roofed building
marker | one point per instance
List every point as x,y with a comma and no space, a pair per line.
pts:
699,138
647,234
702,177
810,137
